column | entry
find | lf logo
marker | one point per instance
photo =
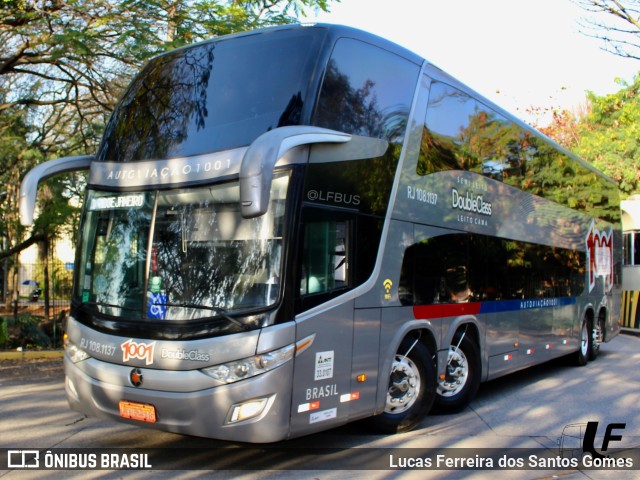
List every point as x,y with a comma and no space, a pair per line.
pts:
590,436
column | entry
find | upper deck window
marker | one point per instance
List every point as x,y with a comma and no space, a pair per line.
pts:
366,91
213,96
462,133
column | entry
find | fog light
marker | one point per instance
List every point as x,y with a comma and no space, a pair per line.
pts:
250,409
71,389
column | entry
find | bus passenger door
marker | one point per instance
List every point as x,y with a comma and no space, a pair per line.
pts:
324,330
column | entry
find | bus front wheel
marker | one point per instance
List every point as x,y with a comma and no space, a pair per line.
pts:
411,391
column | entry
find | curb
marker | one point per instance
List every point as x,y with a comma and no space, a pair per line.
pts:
630,331
31,355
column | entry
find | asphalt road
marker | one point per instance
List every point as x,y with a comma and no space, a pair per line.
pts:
533,410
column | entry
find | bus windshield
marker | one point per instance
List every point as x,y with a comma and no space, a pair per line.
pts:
180,254
212,97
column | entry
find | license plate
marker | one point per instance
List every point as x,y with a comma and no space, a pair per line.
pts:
137,411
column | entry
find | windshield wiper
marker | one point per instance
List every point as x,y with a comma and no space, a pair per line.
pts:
220,311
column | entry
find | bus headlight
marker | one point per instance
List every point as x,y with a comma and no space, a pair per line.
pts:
250,367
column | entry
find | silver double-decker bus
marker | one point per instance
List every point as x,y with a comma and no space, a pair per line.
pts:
294,228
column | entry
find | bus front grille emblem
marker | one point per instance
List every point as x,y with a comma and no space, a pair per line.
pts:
136,377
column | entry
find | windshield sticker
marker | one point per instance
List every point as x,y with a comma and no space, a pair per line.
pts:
157,305
324,365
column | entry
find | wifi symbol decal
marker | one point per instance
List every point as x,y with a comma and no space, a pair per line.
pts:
387,284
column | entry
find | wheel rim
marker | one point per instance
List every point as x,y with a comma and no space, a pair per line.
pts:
404,385
456,375
584,339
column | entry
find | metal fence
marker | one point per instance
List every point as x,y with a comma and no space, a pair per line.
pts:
35,300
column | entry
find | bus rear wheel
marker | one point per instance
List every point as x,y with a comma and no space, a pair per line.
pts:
597,337
411,392
462,375
586,343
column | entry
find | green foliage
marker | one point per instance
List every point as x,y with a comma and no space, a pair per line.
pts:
4,332
15,155
24,331
64,64
609,137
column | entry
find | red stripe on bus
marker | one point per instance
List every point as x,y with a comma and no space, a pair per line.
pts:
424,312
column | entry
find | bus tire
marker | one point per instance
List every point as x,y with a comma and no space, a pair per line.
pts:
586,338
597,336
456,391
411,392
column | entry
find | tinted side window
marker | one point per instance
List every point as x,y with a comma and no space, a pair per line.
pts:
464,267
366,91
462,133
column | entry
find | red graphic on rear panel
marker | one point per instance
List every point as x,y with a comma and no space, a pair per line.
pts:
600,256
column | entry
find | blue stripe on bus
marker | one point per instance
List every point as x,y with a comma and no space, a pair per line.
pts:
500,306
423,312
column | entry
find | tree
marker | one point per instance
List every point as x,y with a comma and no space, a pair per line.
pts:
607,136
616,23
64,64
69,60
610,136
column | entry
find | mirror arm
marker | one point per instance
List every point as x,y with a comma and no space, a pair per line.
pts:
29,186
256,171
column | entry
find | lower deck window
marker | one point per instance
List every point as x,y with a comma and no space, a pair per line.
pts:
463,267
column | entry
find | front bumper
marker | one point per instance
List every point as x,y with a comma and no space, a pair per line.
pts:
93,390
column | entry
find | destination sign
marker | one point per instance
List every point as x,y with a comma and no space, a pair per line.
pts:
173,171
